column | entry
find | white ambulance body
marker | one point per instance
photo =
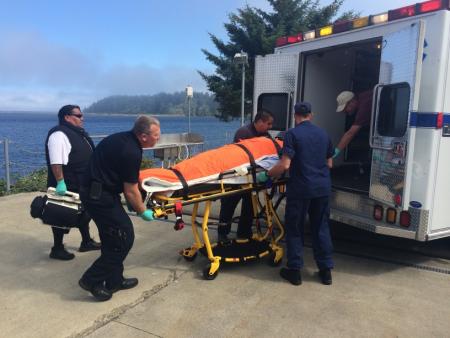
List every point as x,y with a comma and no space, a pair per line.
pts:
394,177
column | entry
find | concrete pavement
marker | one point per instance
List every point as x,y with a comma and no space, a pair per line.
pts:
40,297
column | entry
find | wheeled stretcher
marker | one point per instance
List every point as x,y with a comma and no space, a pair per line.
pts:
212,175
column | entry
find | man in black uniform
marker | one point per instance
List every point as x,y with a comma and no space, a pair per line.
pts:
113,169
262,123
307,153
67,150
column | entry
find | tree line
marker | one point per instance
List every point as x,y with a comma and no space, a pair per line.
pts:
202,104
250,30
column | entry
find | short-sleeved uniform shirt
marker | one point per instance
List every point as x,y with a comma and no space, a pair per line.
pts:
246,132
308,147
116,160
363,113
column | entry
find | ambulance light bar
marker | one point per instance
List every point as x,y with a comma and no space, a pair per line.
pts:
343,26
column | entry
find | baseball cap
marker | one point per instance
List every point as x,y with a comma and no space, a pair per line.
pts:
302,108
342,99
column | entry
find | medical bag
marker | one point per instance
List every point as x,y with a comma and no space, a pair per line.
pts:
60,211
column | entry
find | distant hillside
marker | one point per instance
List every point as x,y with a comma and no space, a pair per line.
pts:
201,104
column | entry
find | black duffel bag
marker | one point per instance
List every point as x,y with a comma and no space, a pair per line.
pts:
60,211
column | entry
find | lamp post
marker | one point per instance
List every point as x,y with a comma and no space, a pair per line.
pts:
241,59
189,95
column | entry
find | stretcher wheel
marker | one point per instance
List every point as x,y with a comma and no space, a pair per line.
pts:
206,274
272,261
190,258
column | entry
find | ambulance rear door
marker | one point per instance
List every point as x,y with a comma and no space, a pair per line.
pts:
275,84
396,95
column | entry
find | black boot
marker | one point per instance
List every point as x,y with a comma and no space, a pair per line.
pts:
98,291
61,253
325,276
291,275
89,246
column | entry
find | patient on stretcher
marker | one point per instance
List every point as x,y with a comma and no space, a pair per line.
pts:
230,164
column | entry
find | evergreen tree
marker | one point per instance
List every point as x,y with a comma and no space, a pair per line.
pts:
254,31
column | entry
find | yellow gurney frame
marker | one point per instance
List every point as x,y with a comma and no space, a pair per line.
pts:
163,206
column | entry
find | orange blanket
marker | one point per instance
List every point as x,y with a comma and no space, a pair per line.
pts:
208,165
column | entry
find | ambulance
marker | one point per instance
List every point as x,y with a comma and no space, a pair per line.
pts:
394,177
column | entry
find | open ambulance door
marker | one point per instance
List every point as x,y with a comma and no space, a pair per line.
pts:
396,95
275,84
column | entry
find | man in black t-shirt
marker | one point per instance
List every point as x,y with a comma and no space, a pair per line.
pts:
113,169
262,123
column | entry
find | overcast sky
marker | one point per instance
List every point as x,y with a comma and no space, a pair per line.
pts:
54,52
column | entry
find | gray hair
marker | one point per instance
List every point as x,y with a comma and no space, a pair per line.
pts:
143,124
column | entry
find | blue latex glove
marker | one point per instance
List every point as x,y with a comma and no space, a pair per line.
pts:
61,188
147,215
262,177
337,151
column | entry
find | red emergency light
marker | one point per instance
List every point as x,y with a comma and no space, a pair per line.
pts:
431,6
342,26
281,41
401,13
295,38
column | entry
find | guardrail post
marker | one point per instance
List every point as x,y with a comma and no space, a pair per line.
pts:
7,173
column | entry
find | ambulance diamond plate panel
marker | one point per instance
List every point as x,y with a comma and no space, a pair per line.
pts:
276,73
398,64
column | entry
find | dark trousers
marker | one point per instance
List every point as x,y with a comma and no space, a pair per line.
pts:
318,210
227,207
83,226
117,236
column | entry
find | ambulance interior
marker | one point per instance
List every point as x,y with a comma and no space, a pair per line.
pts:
324,74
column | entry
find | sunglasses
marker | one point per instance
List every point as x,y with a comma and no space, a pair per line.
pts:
77,115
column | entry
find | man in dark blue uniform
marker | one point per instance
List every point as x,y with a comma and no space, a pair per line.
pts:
113,169
259,127
68,149
307,153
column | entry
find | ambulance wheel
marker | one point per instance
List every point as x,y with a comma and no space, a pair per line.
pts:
190,258
206,274
272,261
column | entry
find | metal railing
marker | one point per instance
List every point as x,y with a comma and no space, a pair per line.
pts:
170,148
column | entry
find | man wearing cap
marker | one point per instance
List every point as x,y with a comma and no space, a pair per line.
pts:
359,105
307,153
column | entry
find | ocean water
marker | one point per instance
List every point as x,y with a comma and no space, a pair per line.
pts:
27,132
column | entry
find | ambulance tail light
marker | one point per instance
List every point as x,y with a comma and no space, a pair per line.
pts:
342,26
281,41
378,212
391,215
431,6
361,22
440,120
405,219
398,199
401,13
